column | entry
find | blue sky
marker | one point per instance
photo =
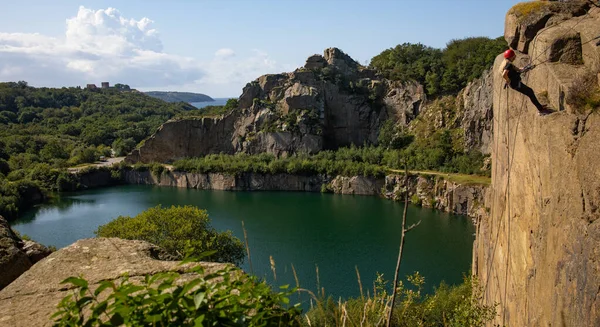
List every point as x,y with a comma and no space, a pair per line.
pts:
216,47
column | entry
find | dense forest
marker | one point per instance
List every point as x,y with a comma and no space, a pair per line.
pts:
180,96
45,129
441,71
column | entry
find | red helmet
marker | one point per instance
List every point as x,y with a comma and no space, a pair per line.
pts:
509,53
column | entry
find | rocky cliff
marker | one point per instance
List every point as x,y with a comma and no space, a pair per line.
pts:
330,102
537,254
32,298
16,255
430,191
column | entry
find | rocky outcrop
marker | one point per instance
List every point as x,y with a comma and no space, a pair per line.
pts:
475,103
227,182
16,255
358,185
32,298
331,102
438,193
187,138
537,254
525,20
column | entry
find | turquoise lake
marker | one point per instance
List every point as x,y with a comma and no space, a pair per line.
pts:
334,232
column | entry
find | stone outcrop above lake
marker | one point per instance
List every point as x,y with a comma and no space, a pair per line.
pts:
537,254
16,255
331,102
32,298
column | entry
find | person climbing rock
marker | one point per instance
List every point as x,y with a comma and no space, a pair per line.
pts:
512,76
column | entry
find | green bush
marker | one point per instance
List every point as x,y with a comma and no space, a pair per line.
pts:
224,298
178,230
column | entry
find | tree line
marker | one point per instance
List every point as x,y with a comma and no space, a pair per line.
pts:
441,71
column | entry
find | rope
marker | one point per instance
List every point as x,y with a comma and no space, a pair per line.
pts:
510,161
508,164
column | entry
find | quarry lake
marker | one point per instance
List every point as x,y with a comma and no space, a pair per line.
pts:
334,232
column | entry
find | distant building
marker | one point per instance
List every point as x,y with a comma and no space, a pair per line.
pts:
105,85
91,86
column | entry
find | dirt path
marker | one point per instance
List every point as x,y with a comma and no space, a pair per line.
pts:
109,162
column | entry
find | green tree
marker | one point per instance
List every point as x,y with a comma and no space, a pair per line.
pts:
177,229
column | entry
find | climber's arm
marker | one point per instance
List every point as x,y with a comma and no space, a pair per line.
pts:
505,76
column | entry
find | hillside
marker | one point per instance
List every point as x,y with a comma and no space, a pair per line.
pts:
180,96
44,130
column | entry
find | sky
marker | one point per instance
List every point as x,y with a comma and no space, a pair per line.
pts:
216,47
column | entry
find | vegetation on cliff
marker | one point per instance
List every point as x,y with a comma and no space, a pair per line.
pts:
435,153
443,71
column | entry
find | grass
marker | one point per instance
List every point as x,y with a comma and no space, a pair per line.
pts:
585,93
456,178
524,10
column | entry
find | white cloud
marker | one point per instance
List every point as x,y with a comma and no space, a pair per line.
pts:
102,45
225,53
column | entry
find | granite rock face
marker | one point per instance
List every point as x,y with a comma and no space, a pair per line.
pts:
537,253
525,20
32,298
475,103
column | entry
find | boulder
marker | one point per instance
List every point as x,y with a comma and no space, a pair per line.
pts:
13,261
32,298
35,251
524,20
16,255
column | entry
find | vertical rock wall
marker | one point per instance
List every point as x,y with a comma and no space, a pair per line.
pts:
538,252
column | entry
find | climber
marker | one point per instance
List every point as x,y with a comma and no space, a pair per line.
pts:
512,76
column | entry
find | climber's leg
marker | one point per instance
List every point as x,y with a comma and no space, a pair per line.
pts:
529,93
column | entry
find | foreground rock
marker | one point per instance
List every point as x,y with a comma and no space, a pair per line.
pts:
32,298
16,255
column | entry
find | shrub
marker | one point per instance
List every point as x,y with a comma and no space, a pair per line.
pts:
224,298
416,200
585,92
177,230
